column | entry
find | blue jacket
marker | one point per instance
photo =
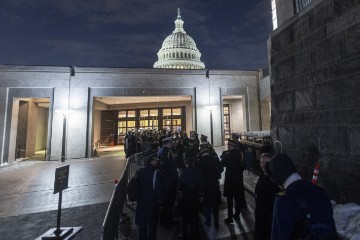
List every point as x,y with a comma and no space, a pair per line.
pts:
148,204
287,211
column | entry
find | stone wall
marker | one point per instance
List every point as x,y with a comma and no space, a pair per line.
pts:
41,128
315,83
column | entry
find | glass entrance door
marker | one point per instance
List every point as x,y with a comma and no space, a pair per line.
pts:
126,122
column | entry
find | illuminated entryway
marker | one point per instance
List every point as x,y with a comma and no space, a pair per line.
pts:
115,116
30,127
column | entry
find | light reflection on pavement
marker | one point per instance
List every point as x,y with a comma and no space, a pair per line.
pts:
27,186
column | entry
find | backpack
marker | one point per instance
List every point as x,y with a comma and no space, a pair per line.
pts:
133,188
306,229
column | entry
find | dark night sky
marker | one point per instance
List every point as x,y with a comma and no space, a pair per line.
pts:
230,34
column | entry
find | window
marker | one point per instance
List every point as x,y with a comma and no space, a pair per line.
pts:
173,119
131,114
144,113
274,14
226,110
166,112
176,111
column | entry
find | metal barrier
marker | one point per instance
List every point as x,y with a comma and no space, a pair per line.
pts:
109,228
257,142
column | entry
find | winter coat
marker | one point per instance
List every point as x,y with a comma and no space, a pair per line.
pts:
191,188
148,204
287,211
211,171
233,183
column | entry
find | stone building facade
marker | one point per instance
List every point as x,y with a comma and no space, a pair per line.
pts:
315,81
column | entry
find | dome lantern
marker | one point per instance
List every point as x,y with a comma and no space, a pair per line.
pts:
179,50
179,23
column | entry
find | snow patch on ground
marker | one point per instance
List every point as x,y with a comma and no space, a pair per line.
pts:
347,220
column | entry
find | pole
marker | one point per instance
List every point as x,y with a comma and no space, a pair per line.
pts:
63,140
58,230
211,128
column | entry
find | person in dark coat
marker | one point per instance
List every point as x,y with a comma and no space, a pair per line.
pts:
168,169
150,196
186,140
161,138
131,145
288,213
180,150
211,171
126,141
265,193
191,191
233,184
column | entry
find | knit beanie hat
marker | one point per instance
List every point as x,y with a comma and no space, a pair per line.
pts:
280,168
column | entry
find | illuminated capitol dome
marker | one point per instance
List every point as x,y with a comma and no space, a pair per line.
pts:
179,50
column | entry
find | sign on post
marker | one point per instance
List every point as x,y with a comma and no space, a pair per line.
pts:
61,179
65,233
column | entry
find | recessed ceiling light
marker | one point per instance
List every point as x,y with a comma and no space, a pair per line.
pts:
117,102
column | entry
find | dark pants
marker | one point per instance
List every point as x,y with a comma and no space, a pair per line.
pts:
215,210
230,205
147,232
170,184
262,227
193,227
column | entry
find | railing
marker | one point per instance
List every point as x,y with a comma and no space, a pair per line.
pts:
109,229
300,5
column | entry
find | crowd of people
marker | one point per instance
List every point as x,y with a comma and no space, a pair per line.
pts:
181,179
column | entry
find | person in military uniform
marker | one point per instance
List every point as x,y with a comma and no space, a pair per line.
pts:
180,150
191,191
161,138
211,171
204,143
265,193
288,213
168,169
233,184
186,140
203,139
150,196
